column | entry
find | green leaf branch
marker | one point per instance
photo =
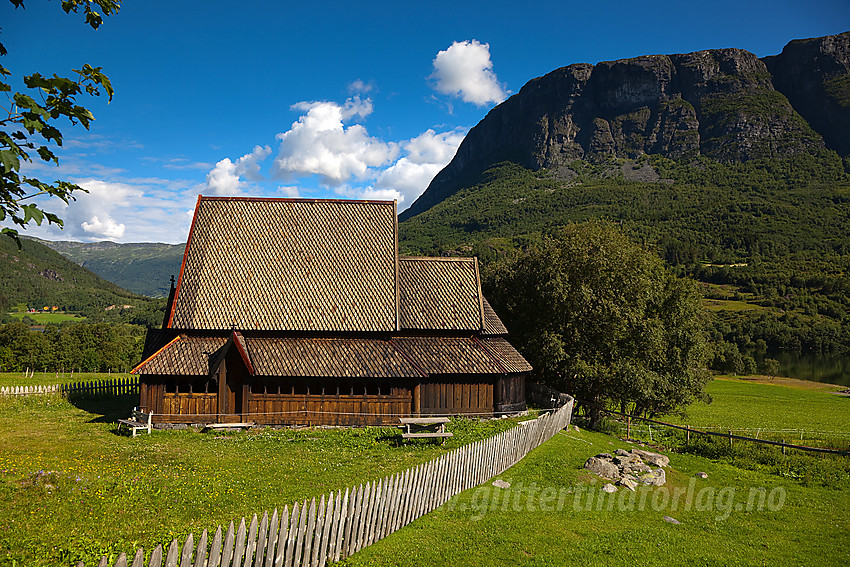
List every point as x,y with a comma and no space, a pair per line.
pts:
28,125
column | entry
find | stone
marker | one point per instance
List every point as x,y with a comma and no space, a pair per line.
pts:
576,429
499,483
622,453
636,468
654,459
702,475
606,456
627,459
671,520
653,478
628,483
609,488
602,467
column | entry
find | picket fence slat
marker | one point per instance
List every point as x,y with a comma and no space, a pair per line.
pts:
186,556
292,534
171,557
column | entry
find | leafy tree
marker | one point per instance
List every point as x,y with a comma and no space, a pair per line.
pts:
601,318
29,125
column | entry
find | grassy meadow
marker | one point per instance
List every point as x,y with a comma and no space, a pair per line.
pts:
772,404
50,378
69,487
48,318
554,513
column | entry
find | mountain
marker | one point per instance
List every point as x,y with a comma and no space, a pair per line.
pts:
144,268
726,105
37,276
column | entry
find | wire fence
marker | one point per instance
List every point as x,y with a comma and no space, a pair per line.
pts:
624,425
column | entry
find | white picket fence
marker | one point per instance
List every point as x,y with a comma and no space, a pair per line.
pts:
113,387
340,524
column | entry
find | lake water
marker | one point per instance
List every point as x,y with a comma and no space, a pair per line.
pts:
830,368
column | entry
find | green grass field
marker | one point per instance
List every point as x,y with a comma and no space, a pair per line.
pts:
68,485
44,318
772,405
557,515
50,378
71,489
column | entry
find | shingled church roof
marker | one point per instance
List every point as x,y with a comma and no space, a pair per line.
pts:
311,283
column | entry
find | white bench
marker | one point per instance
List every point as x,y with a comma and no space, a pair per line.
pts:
426,428
137,420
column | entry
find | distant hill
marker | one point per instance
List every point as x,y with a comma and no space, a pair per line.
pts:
726,105
38,276
145,267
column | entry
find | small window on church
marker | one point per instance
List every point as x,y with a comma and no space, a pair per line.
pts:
258,388
171,387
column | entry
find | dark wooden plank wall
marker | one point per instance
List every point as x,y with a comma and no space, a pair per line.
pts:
288,409
510,393
302,402
456,397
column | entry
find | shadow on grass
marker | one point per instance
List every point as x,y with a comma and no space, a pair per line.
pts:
106,409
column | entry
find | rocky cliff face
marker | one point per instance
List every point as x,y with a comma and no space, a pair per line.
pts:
815,76
726,104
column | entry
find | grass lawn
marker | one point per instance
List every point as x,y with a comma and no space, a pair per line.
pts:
46,318
50,378
548,520
773,405
71,489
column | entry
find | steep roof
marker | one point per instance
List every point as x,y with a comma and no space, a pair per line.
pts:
439,293
399,357
289,265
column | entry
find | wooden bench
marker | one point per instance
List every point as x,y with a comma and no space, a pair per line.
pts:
217,426
137,420
425,428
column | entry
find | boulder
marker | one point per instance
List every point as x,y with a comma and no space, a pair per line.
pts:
671,520
602,467
609,488
626,459
653,478
499,483
654,459
606,456
622,453
629,483
636,468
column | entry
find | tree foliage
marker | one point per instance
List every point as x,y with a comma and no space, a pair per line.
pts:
601,318
29,125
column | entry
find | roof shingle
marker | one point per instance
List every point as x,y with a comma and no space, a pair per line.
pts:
289,265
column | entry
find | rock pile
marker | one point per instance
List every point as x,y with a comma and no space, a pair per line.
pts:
630,468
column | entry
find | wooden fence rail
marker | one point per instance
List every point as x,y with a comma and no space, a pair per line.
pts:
315,532
113,387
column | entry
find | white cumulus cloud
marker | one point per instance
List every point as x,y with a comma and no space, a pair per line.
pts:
92,215
425,155
466,71
226,177
290,192
320,143
107,228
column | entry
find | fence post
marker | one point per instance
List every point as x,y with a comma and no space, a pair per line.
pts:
688,434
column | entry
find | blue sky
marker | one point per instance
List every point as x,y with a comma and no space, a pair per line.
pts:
327,99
